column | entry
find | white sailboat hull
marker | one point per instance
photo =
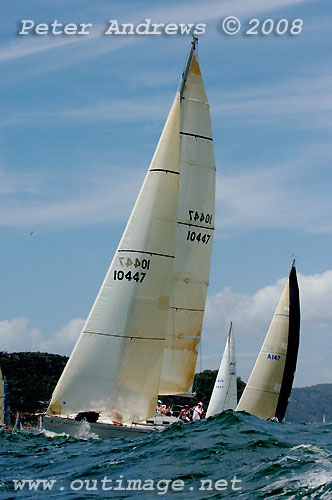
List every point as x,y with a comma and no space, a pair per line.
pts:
102,430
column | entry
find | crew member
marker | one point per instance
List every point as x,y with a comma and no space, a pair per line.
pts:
160,407
185,414
198,412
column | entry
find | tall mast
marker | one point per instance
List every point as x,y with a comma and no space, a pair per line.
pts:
193,46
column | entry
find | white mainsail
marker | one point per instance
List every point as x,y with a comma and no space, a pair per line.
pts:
115,367
195,225
269,386
224,394
2,400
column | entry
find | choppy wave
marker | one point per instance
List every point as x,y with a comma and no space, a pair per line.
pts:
232,455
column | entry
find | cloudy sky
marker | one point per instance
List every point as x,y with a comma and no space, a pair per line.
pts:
80,118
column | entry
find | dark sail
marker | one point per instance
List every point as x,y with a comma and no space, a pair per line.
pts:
293,345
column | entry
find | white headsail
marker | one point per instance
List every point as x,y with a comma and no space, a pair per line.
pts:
115,366
224,394
195,225
156,285
269,386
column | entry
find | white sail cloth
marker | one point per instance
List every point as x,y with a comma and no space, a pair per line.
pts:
224,394
115,366
195,225
267,391
146,319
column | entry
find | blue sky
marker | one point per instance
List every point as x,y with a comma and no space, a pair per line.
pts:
80,118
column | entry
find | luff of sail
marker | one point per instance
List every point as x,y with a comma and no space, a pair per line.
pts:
224,394
270,383
115,366
195,225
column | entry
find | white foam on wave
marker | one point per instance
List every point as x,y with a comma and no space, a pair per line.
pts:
308,481
51,434
313,480
318,477
310,447
84,431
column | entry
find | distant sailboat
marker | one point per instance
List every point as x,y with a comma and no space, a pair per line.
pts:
18,424
4,402
224,394
270,383
142,334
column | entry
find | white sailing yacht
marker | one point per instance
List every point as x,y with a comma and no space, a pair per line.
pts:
142,334
224,394
270,383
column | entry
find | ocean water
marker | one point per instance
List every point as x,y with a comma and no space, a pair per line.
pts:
229,456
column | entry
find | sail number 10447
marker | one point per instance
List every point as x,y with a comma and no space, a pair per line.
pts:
121,275
127,262
134,275
200,217
200,237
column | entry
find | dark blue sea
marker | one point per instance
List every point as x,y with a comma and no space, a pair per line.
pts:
228,456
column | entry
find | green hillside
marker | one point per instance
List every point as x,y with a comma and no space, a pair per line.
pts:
31,378
309,404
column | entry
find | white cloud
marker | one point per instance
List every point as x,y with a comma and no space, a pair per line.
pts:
18,182
303,102
85,197
64,339
17,336
289,195
135,110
